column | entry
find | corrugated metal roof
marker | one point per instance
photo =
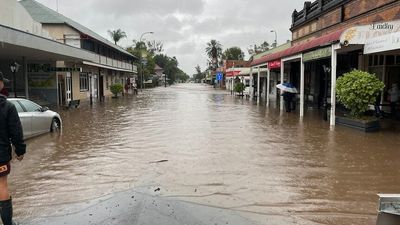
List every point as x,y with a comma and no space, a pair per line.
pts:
45,15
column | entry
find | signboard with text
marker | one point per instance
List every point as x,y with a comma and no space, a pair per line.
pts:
274,64
360,34
383,43
317,54
47,68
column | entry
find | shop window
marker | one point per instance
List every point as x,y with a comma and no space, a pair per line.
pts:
398,59
381,60
83,81
370,60
376,60
390,60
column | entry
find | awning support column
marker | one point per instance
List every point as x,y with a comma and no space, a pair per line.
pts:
282,73
25,71
251,91
258,85
265,88
268,85
333,84
301,87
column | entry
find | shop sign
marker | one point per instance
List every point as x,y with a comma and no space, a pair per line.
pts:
274,64
317,54
360,34
232,73
383,43
46,68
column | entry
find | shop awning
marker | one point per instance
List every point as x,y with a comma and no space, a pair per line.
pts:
315,43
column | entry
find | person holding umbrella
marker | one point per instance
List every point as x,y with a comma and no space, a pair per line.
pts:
288,92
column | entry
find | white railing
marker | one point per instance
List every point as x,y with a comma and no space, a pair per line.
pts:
103,60
113,62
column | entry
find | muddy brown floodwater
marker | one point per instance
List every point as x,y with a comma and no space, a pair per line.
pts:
215,150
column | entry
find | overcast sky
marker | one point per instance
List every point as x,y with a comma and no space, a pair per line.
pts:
185,26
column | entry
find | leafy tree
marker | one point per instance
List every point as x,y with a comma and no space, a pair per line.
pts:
171,70
257,49
214,53
155,47
357,90
146,62
233,53
199,75
198,69
117,35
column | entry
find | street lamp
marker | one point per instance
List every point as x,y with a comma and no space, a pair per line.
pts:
14,69
141,60
276,38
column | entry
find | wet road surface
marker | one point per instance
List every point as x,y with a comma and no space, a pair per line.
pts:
206,147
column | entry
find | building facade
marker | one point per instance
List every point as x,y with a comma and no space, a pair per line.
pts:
87,79
330,38
28,54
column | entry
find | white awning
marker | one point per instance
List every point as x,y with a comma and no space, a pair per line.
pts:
17,44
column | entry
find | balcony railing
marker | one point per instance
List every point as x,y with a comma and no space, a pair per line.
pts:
113,62
311,10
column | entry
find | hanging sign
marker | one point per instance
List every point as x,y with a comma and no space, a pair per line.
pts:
317,54
360,34
383,43
274,64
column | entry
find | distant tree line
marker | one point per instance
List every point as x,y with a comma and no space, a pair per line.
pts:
149,54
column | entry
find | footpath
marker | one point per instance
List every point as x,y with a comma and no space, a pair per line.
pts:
140,208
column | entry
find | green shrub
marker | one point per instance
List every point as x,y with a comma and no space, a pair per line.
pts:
357,90
239,87
116,89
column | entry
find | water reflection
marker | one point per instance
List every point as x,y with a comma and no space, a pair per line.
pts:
220,150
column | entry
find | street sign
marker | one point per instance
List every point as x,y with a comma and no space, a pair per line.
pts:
220,76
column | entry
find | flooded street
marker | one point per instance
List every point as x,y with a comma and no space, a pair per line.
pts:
204,146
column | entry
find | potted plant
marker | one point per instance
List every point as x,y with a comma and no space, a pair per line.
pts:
239,88
357,90
116,89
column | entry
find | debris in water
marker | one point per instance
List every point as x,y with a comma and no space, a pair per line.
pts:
160,161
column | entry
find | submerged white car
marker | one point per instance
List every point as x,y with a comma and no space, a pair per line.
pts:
35,119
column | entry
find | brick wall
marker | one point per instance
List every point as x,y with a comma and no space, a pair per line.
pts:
356,12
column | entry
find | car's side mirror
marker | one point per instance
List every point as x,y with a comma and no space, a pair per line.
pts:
44,109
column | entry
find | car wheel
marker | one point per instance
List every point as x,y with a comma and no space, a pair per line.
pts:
55,125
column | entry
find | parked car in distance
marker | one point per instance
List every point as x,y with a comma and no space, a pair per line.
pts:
35,119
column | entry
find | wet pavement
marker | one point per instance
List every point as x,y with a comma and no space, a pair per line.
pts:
192,146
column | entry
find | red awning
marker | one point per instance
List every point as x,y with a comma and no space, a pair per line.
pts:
324,40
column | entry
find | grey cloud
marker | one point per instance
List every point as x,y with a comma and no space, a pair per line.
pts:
157,7
185,26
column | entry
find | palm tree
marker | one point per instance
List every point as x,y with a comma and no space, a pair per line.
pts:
214,51
117,35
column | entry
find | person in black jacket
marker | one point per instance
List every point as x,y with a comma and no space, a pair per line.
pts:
10,134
